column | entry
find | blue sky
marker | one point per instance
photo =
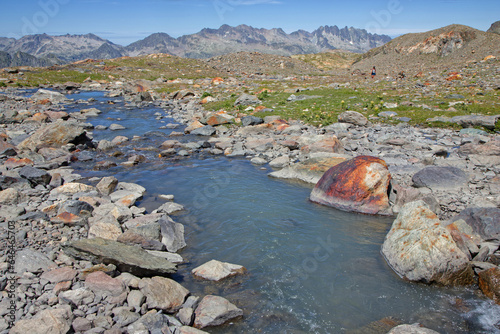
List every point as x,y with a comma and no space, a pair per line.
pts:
126,21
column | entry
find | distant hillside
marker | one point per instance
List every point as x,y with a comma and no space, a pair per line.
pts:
205,44
448,46
24,59
330,60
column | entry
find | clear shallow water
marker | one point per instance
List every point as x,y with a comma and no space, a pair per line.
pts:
310,268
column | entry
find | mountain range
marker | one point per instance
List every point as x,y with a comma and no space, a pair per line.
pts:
207,43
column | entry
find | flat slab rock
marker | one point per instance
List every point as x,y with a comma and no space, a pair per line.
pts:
309,171
440,178
126,258
215,311
215,270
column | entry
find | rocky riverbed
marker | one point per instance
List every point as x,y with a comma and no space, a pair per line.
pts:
83,257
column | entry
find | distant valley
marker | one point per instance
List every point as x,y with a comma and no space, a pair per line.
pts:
46,50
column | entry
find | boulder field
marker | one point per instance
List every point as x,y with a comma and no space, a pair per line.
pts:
76,266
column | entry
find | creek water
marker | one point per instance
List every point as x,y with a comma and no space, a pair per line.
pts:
311,269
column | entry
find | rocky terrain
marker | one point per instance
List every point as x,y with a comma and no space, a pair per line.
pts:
204,44
441,48
80,255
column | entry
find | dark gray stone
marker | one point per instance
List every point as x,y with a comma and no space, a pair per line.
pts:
484,221
31,261
246,100
251,120
79,208
440,178
207,130
35,176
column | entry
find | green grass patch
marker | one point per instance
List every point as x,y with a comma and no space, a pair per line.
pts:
36,78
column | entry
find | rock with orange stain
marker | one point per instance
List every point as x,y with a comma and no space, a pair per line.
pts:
39,117
330,145
217,81
193,126
14,163
420,249
207,99
218,118
67,218
489,283
357,185
454,76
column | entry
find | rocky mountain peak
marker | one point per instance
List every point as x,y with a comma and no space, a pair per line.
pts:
495,28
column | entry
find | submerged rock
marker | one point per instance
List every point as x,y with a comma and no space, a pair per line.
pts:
420,249
127,258
215,270
357,185
411,329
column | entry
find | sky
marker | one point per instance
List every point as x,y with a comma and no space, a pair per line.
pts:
126,21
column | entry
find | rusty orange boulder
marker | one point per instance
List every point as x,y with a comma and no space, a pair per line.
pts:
357,185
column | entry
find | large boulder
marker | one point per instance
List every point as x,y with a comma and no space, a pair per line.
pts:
127,258
54,97
440,178
55,135
420,249
353,117
357,185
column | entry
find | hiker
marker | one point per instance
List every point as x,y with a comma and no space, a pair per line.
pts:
374,72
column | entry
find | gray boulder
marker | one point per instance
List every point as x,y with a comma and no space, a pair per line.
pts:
55,134
206,130
353,117
440,178
32,261
470,121
215,311
251,120
420,249
172,234
246,100
54,97
484,221
35,176
163,293
127,258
